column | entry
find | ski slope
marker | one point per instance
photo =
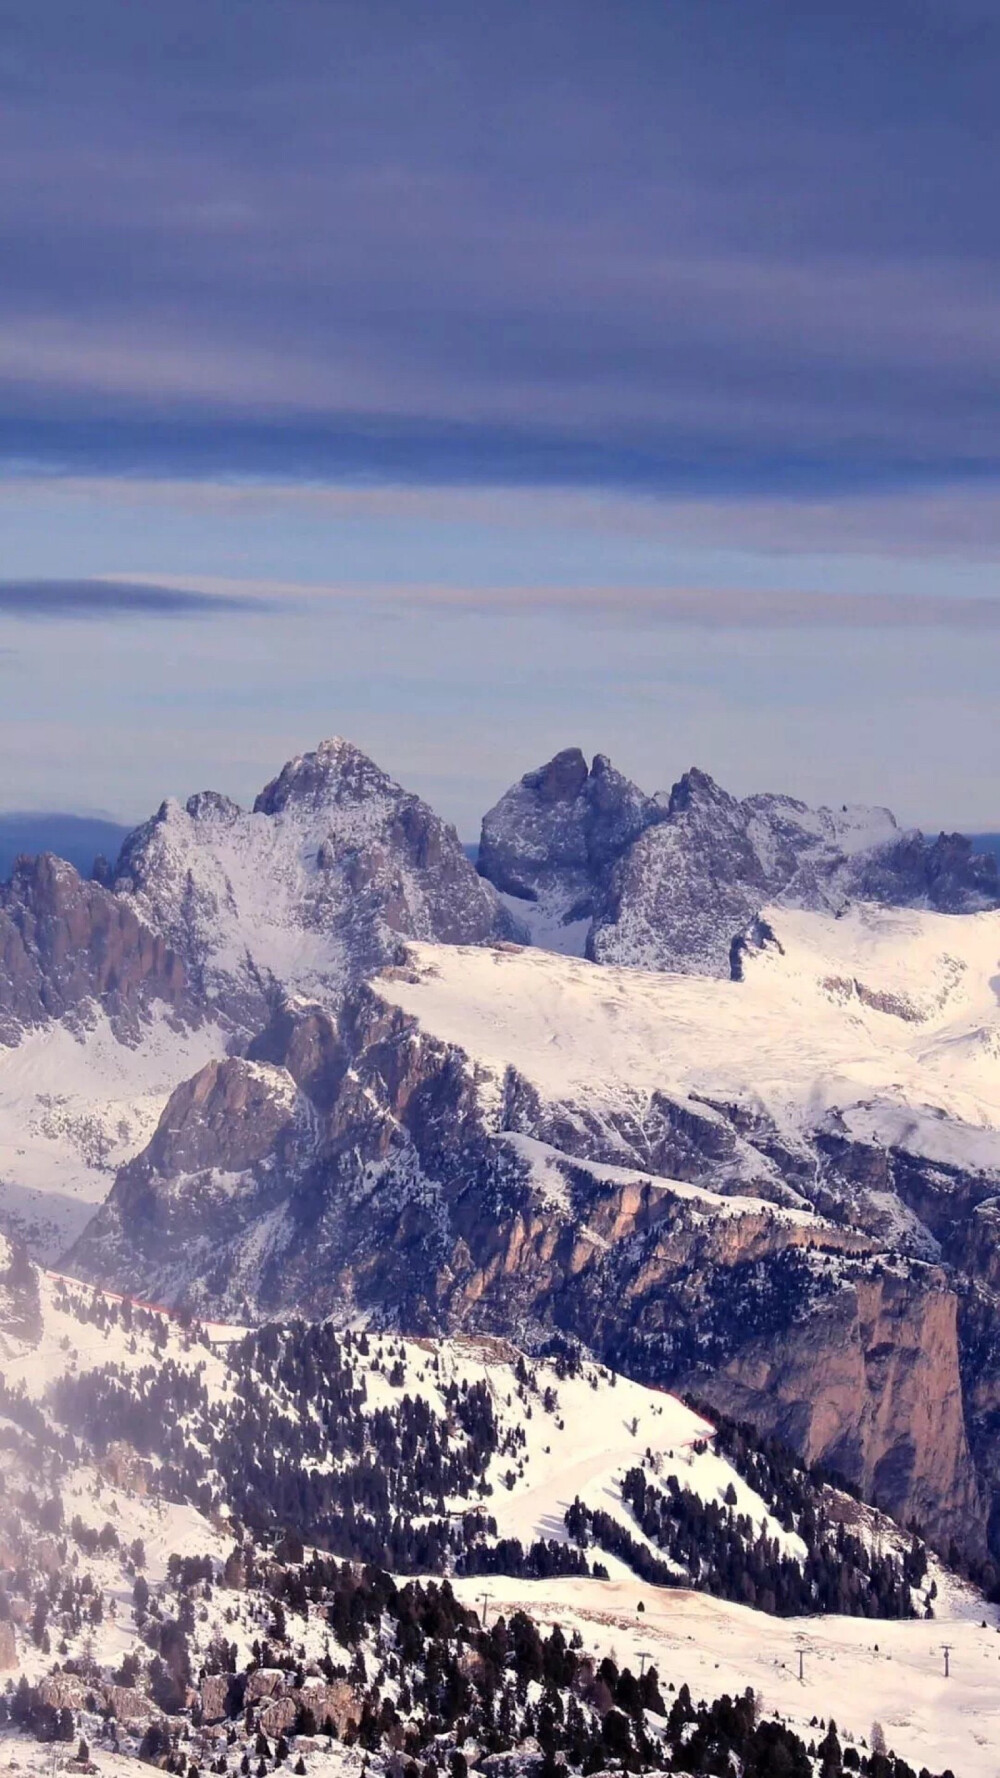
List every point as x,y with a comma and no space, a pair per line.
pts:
856,1670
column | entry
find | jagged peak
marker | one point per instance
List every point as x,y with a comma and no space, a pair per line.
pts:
336,771
38,870
561,779
212,805
696,788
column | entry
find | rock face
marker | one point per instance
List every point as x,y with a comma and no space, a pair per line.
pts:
672,883
685,890
870,1386
212,1181
67,945
552,840
65,1691
310,890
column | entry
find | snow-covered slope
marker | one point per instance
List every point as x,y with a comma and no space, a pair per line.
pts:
109,1545
857,1671
542,1438
308,891
75,1104
879,1014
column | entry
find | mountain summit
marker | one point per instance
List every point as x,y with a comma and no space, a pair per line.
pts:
311,889
593,866
550,843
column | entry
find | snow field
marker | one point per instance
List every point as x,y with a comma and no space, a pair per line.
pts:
896,1011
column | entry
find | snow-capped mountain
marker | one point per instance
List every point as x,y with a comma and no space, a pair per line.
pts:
307,1051
594,866
550,843
310,890
114,992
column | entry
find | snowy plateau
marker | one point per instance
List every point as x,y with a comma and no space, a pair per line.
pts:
601,1239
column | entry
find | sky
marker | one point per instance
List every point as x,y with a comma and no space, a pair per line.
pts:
479,379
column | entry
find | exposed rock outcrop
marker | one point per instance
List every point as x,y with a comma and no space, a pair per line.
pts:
68,946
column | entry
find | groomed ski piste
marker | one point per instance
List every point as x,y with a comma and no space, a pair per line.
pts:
858,1671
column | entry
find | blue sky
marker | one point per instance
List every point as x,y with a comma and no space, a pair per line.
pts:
480,379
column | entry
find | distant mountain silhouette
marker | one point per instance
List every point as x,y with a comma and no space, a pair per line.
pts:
986,842
76,837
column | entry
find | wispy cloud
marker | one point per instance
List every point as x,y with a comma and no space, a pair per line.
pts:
42,599
729,608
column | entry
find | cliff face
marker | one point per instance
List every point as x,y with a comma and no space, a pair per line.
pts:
356,1165
67,944
870,1386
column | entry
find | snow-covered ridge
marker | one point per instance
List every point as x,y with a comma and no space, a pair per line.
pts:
549,1167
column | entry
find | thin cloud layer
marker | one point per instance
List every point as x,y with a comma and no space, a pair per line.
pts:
728,608
58,599
664,248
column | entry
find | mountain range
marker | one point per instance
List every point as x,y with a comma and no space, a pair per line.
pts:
616,1209
649,1057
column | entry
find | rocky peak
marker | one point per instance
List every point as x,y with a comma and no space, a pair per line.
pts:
944,874
207,805
308,891
553,837
695,789
561,779
687,886
336,773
